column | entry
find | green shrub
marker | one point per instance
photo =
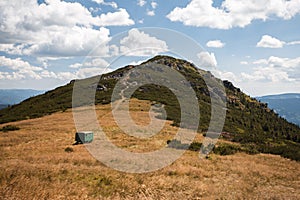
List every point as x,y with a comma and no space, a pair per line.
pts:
195,146
287,150
250,149
9,128
104,181
69,149
226,149
176,144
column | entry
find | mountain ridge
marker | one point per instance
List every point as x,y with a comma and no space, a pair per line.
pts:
15,96
281,95
286,105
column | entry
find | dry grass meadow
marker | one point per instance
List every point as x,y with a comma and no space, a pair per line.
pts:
36,165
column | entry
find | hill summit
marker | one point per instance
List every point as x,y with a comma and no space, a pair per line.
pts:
248,122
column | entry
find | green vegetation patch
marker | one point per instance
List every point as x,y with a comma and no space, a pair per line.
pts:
226,149
176,144
9,128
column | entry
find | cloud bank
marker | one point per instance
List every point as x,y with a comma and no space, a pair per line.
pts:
233,13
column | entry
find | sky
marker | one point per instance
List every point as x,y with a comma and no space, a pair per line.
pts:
47,43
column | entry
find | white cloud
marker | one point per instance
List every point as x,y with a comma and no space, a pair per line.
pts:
76,41
17,76
293,43
229,76
268,41
23,70
75,65
244,63
91,71
86,69
141,2
82,73
15,49
97,62
119,18
141,21
112,4
114,50
215,44
268,73
20,69
17,64
98,1
207,59
275,69
224,75
150,12
139,43
55,28
278,62
65,76
233,13
136,62
260,62
154,4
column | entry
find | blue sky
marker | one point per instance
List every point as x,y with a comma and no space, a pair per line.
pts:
46,43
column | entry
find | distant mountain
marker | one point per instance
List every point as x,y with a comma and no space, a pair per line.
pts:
15,96
3,106
249,122
286,105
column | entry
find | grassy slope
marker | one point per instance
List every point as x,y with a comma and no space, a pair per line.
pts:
35,165
249,122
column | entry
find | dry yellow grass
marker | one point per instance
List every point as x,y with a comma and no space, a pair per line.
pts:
35,165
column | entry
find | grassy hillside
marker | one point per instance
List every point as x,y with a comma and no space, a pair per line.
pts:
38,161
248,121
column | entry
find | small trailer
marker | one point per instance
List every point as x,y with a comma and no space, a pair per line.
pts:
84,137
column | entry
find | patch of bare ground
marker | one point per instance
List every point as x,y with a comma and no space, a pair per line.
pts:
35,164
